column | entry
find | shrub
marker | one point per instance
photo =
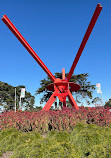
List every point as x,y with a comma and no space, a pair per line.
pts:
84,141
10,139
88,137
60,120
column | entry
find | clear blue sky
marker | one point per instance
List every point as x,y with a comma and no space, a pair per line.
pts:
55,29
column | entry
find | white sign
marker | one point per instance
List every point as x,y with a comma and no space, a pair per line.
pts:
98,86
22,92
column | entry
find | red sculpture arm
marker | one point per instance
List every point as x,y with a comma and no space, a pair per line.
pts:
49,102
14,30
87,34
72,101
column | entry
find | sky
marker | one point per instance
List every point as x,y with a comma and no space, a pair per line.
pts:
55,29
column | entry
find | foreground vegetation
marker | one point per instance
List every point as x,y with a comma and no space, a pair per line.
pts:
60,120
84,141
66,133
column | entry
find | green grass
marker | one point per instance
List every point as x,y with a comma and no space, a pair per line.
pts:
85,141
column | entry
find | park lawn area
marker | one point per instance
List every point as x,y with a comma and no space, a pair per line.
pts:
85,140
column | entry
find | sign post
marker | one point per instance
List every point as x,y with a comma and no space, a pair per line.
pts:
22,95
22,92
98,86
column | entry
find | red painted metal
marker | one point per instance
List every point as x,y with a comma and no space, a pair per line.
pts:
84,41
61,94
61,88
50,102
64,103
63,73
27,46
72,101
73,86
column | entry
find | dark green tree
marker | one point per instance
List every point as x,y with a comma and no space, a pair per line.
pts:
108,103
38,108
7,97
97,101
85,92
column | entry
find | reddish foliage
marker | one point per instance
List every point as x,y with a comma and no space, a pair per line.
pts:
60,120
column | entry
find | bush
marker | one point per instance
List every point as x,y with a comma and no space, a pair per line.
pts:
84,141
88,137
60,120
10,139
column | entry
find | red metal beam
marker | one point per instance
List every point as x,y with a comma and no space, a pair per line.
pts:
49,102
14,30
63,73
61,94
84,41
64,103
71,100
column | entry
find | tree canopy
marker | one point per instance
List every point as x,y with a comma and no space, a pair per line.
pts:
108,103
85,92
7,96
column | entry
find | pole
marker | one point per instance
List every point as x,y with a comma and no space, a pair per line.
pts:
20,102
15,99
101,98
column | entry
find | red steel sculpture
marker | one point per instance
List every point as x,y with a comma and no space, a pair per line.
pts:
61,88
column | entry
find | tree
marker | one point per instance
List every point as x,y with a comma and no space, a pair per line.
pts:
108,103
7,96
38,108
97,101
85,92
